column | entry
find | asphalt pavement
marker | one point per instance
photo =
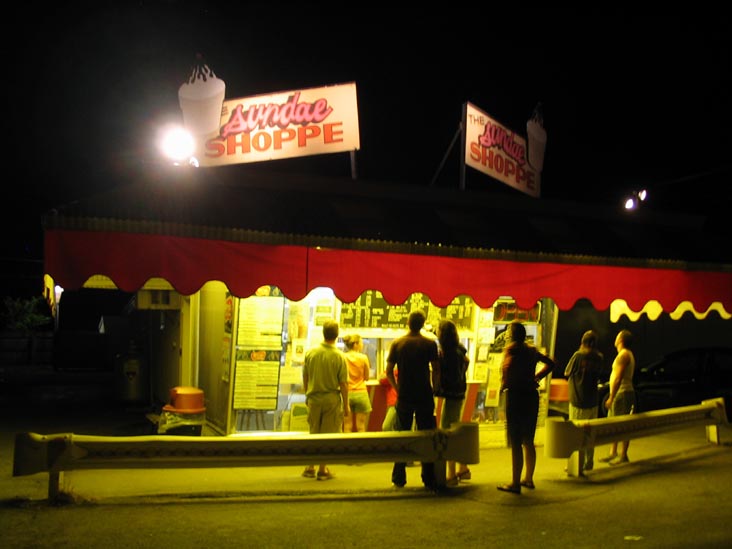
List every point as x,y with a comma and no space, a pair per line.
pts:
674,492
56,415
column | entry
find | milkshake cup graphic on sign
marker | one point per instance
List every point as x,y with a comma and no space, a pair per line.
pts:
537,139
201,98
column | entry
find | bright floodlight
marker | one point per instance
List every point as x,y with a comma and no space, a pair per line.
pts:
635,199
177,144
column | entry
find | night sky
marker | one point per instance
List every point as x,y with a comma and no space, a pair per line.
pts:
629,100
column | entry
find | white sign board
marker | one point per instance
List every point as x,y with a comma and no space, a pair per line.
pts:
284,125
497,151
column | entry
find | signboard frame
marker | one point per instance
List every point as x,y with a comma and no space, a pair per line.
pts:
285,124
497,151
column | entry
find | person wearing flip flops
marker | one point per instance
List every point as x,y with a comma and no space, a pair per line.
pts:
621,400
325,381
453,365
519,383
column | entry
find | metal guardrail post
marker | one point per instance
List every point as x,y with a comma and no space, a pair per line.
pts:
569,439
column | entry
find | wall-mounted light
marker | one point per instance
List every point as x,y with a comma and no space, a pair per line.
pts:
177,144
633,201
57,293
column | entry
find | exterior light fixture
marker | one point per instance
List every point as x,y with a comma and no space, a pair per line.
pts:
633,201
57,293
177,144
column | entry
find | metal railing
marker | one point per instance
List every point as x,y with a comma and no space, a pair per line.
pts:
56,453
570,439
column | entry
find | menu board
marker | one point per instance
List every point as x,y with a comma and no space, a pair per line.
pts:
260,322
460,311
258,352
257,379
371,310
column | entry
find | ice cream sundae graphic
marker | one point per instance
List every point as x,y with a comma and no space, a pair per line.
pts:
201,98
537,138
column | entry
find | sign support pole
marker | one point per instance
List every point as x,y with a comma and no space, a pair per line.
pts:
462,146
444,158
353,165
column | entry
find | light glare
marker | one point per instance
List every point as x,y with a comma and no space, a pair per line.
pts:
177,144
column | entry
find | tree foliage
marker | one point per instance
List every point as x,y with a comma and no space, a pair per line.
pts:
24,314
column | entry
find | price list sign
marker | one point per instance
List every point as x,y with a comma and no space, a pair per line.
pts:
460,311
257,380
371,310
258,353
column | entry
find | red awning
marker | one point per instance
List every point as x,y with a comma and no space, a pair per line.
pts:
130,259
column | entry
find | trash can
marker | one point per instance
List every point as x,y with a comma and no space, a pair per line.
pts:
185,414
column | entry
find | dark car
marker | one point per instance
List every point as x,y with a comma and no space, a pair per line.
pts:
682,378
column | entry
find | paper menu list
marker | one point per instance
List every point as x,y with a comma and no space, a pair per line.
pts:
258,352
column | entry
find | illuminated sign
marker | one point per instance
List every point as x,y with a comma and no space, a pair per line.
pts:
497,151
285,125
505,312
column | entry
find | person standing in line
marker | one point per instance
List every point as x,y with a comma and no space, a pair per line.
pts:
389,423
325,380
583,372
359,371
453,385
416,358
520,381
621,399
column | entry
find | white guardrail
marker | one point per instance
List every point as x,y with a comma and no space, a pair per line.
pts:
56,453
570,438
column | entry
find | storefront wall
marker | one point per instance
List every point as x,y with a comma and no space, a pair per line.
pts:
214,355
261,388
189,265
214,334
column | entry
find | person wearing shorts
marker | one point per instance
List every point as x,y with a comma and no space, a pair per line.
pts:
621,400
359,371
325,380
520,381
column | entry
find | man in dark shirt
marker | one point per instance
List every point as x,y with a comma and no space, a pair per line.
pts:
416,358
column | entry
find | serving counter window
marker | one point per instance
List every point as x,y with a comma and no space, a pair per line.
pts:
272,335
491,338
